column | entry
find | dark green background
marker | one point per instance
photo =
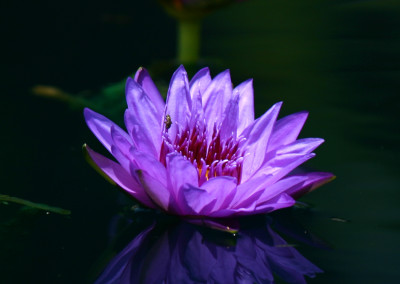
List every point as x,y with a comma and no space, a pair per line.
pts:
338,59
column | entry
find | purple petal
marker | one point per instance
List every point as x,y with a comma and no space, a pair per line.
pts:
197,201
179,173
197,113
246,104
120,176
257,135
158,193
216,98
280,166
199,260
141,136
266,183
279,202
222,272
230,122
281,186
155,265
101,128
143,78
200,82
249,190
151,165
121,148
301,146
213,195
178,102
232,212
117,267
313,181
223,188
287,129
143,113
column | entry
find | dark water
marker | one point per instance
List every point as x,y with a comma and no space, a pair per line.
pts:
338,59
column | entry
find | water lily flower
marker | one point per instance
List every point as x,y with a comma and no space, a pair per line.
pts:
185,254
202,153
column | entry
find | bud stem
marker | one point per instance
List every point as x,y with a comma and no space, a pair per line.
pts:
188,41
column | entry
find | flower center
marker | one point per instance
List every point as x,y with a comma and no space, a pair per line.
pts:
213,158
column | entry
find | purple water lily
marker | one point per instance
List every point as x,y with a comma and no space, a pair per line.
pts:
202,154
186,255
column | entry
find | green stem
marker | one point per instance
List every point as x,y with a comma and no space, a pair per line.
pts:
6,198
189,41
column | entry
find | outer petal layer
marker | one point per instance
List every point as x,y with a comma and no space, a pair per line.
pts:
121,177
258,135
101,127
143,78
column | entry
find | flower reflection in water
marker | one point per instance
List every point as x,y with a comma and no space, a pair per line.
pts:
191,254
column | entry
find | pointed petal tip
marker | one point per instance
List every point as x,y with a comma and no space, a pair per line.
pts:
91,117
139,72
90,156
177,76
330,177
248,82
276,108
181,68
324,179
244,85
225,73
87,112
130,84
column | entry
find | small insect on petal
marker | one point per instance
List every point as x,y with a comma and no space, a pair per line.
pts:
167,122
